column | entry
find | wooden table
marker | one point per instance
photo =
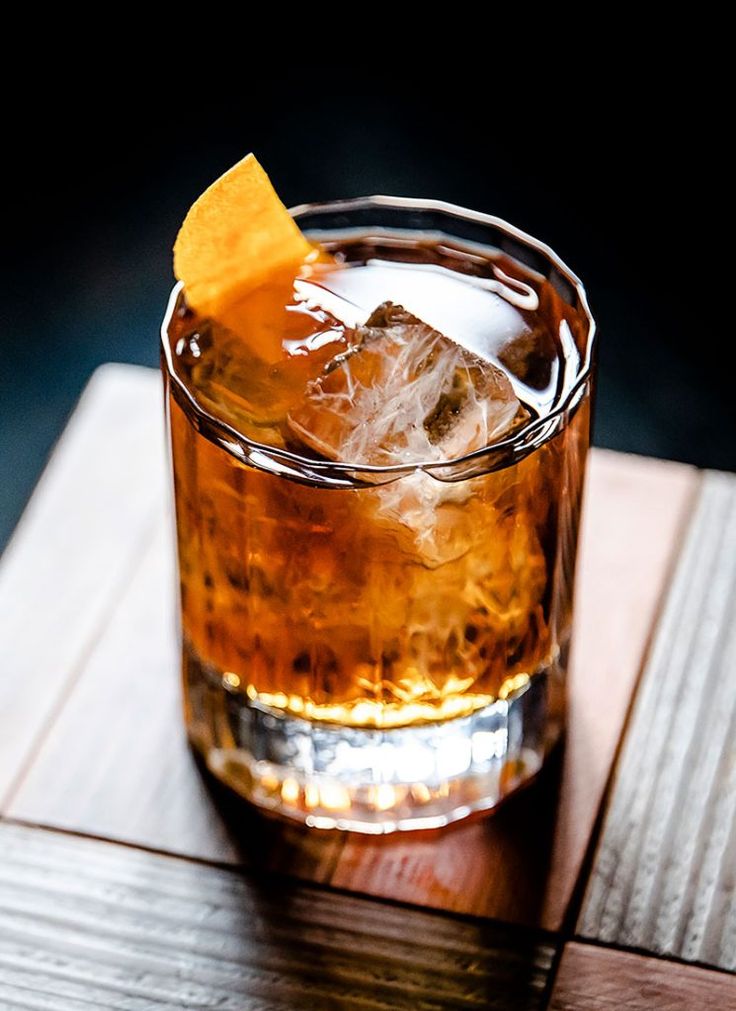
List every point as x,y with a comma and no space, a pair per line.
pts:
128,880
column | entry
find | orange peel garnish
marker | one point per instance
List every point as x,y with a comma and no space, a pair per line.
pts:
236,237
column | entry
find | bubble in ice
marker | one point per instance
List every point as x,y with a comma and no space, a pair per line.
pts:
530,356
403,393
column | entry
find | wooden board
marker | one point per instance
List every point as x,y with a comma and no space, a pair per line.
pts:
93,744
663,877
74,551
114,762
89,924
597,979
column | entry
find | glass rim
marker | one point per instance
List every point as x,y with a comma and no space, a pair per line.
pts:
527,438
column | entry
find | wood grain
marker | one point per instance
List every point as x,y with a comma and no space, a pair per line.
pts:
664,874
90,924
598,979
73,551
115,764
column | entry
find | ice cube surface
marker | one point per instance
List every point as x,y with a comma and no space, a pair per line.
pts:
403,393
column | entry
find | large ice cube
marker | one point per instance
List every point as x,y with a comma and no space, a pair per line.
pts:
403,393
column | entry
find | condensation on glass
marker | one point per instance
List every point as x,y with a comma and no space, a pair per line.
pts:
380,647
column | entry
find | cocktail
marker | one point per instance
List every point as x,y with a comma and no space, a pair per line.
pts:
379,417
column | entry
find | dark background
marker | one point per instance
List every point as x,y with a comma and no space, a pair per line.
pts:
631,195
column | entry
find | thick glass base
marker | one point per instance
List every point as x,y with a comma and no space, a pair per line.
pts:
367,780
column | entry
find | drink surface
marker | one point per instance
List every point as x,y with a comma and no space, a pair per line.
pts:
391,602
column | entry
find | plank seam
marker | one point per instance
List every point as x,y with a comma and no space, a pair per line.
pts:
538,934
595,942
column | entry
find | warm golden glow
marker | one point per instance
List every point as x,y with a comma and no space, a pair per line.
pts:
384,796
230,680
270,782
290,791
367,713
512,685
334,797
421,793
370,713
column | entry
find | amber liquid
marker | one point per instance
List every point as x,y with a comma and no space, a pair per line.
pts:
371,606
